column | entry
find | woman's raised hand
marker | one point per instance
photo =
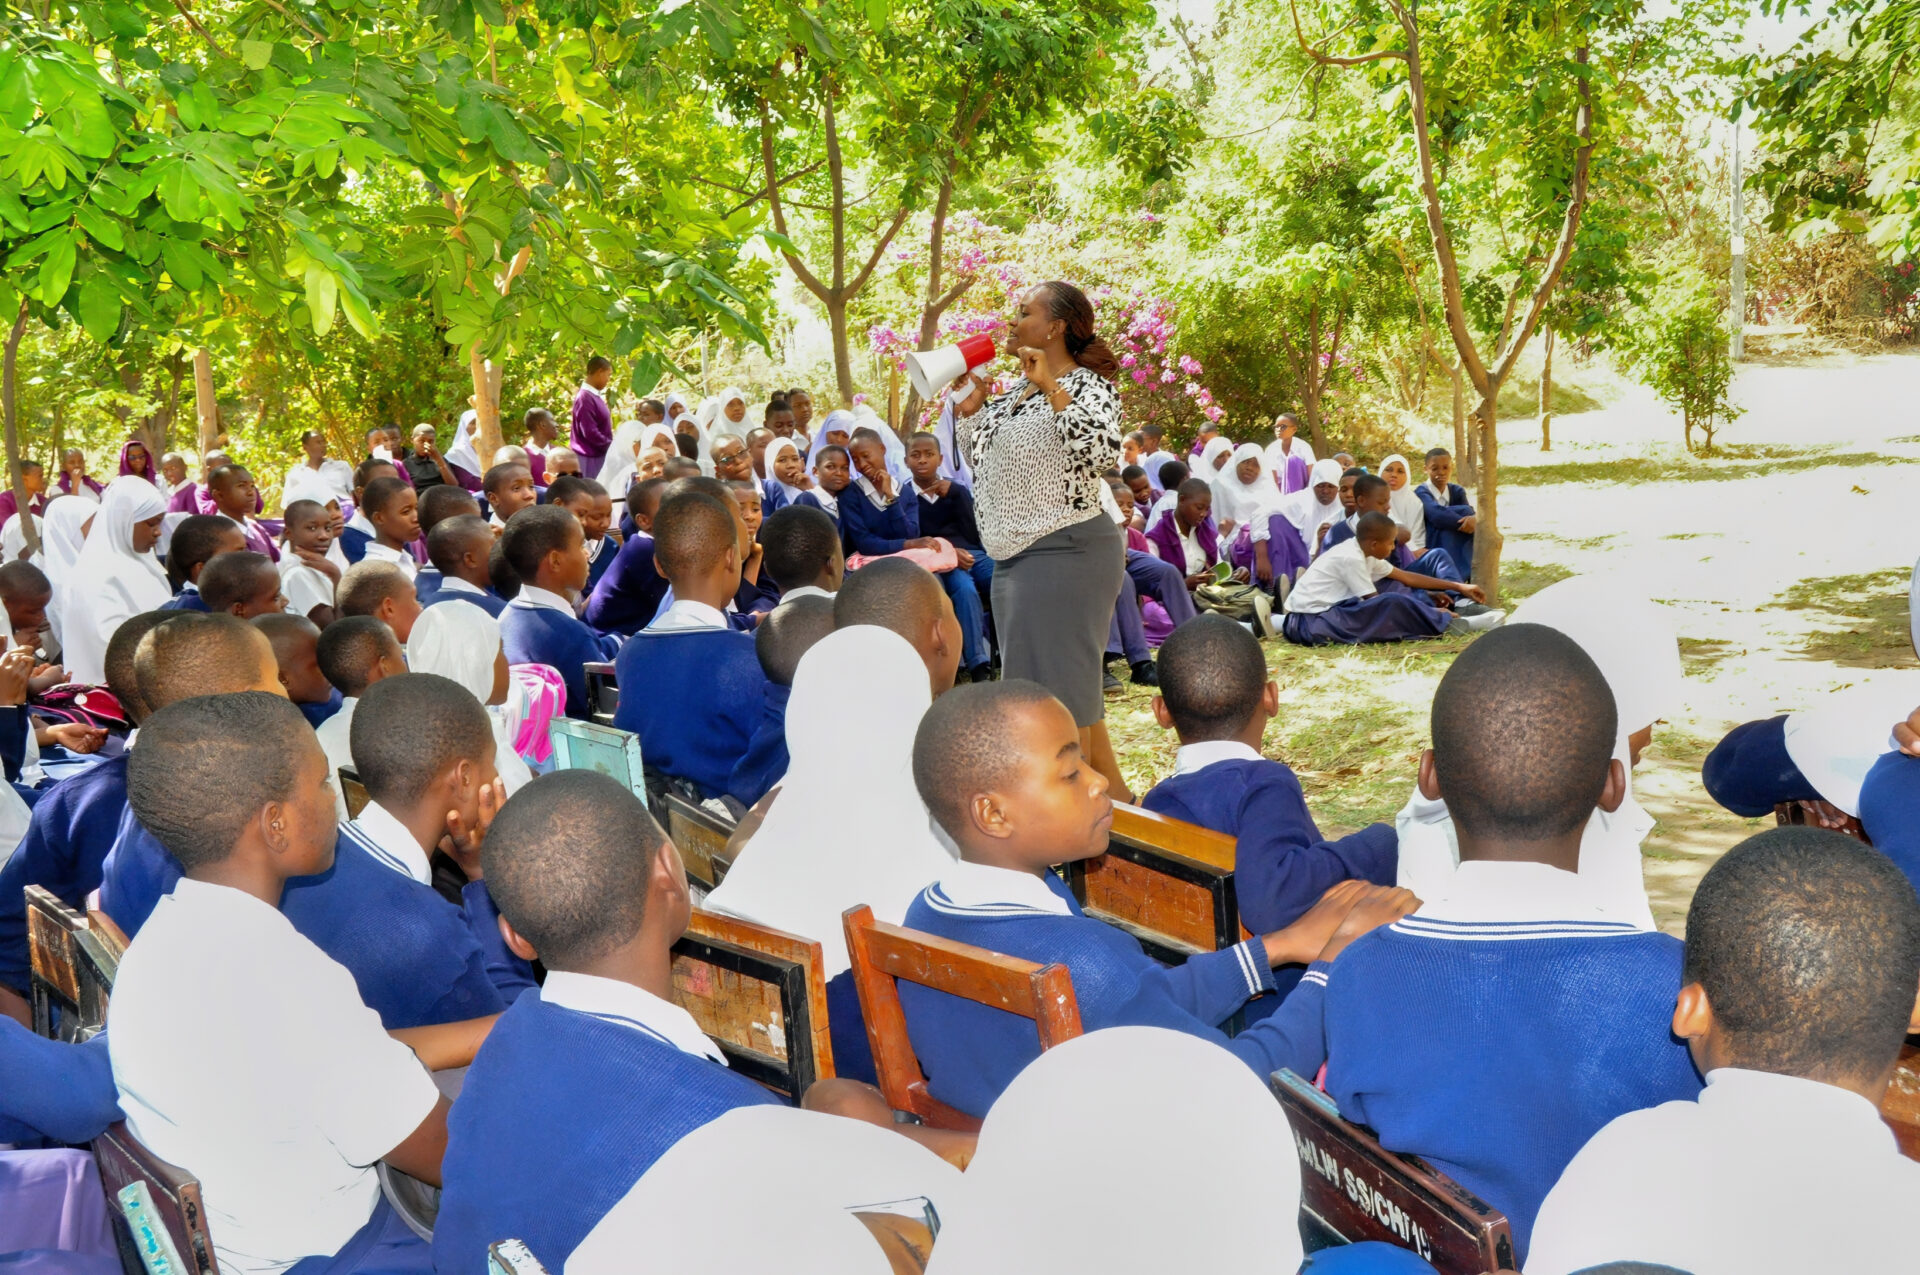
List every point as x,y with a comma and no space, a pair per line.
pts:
1033,366
970,394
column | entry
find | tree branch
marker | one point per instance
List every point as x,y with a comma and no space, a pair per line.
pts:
1328,59
201,31
799,268
873,258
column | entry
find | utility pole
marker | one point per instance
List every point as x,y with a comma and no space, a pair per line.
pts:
1737,276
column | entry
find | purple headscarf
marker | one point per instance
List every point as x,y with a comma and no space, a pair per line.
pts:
126,466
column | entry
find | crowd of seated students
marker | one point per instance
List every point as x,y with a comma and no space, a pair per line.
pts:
469,978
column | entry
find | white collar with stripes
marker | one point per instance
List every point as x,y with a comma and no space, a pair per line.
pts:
383,836
613,1001
975,889
1491,900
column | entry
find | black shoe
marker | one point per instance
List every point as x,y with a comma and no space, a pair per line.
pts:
1144,674
980,673
1109,683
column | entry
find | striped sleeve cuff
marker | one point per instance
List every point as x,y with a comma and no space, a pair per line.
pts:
1317,973
1254,967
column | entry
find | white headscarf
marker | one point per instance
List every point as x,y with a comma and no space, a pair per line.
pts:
1406,506
896,451
669,403
1048,1191
819,854
1634,643
623,457
13,536
1204,466
774,449
1241,502
461,642
1305,510
840,420
60,546
110,583
800,1175
463,452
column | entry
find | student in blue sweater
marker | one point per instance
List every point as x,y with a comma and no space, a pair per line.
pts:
1890,800
544,546
1215,693
359,531
628,595
296,640
424,748
197,541
582,1085
393,509
691,686
945,508
1450,515
1502,1025
73,826
439,503
788,632
803,554
757,594
999,768
588,501
461,550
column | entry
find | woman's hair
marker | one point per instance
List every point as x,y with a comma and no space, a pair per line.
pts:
1070,305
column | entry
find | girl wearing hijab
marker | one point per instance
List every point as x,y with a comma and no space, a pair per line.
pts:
1212,466
838,427
63,533
114,578
135,459
616,473
1317,506
462,457
787,479
461,642
1407,509
818,852
1267,544
1634,643
73,475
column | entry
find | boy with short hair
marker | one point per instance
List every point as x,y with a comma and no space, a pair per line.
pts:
558,463
907,599
788,633
1216,695
236,497
1338,598
243,584
1188,539
439,503
590,428
304,570
296,1092
1158,457
359,532
295,640
757,593
353,653
628,596
545,548
1000,770
1802,957
585,1083
509,489
1172,474
1141,485
945,509
393,509
699,690
803,554
197,541
461,549
1495,1030
1450,515
383,591
1372,494
588,501
424,748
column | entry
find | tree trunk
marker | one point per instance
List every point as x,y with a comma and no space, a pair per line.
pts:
1486,503
1546,395
205,405
842,356
1463,448
8,402
486,403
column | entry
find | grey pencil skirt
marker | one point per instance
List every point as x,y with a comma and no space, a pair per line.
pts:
1053,604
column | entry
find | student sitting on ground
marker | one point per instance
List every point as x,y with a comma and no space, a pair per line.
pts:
545,548
788,633
295,642
629,594
1817,758
1890,800
1150,577
588,501
461,550
439,503
757,593
197,541
697,690
380,590
1144,492
1187,538
999,768
243,585
236,497
393,510
307,586
804,558
1499,1027
585,1083
1172,475
831,468
354,653
1802,959
1449,514
359,531
1338,599
786,476
1372,495
1215,692
296,1091
424,749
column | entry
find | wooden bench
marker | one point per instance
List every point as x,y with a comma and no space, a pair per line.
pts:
603,693
701,836
159,1220
761,994
1166,882
882,954
352,791
1353,1189
71,967
1793,814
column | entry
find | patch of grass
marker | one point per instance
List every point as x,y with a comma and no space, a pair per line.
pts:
1521,399
1687,535
1870,613
1583,543
1700,655
1520,579
1906,438
1727,464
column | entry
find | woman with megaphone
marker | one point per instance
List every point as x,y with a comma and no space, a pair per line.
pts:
1038,454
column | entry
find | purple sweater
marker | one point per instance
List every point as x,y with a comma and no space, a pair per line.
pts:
1165,539
592,430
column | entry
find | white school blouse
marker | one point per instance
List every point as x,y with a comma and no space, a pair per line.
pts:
289,1090
400,558
1339,573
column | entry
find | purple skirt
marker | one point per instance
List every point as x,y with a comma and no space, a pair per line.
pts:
1285,550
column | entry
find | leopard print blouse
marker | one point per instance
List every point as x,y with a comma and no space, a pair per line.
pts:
1036,470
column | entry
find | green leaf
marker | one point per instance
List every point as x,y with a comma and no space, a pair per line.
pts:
103,229
99,306
647,371
56,272
359,313
181,264
256,53
323,287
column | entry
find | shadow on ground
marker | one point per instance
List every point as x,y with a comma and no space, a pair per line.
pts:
1862,619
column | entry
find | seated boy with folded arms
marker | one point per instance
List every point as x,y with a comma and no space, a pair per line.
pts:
424,748
788,633
295,640
461,550
380,590
699,691
1500,1026
803,554
292,1091
999,768
1802,961
544,546
585,1083
1215,693
354,653
197,541
1338,598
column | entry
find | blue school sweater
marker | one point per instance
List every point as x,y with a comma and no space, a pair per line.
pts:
542,635
417,959
560,1115
490,602
873,531
772,497
54,1091
188,599
695,698
765,762
137,874
628,596
426,583
353,543
66,844
951,517
598,565
761,596
1281,863
1443,525
812,501
320,712
971,1052
1889,810
1496,1050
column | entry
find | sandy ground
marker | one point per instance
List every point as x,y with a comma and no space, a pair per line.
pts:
1786,561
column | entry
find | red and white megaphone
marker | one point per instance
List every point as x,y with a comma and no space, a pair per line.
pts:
933,370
